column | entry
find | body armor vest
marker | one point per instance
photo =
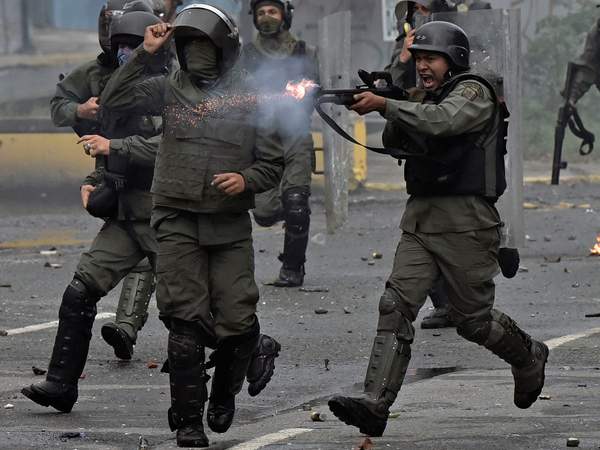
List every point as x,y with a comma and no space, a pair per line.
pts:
469,164
200,141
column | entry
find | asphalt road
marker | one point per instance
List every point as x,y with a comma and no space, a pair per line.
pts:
457,396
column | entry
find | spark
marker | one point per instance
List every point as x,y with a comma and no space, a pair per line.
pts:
298,90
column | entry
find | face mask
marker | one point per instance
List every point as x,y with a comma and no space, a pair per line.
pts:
201,59
268,25
123,54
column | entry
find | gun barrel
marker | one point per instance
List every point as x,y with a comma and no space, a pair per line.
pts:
557,163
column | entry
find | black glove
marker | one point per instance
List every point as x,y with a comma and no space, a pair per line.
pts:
508,259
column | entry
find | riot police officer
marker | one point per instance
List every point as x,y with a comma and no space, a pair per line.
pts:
213,157
274,58
125,147
453,140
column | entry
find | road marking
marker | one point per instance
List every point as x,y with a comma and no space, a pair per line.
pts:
269,439
557,342
45,326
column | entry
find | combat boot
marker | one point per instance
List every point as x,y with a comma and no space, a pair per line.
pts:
232,360
385,375
290,276
132,311
437,319
262,364
187,377
71,346
527,357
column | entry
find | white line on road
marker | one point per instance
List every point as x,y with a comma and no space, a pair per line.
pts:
557,342
269,439
45,326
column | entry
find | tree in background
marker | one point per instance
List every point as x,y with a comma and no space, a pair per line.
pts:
558,40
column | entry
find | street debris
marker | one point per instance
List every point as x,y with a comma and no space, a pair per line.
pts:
313,289
572,442
590,315
436,334
3,333
547,238
575,285
70,435
545,397
529,205
582,385
9,406
523,269
366,444
530,238
306,407
38,371
5,285
394,415
595,250
347,310
377,255
552,259
371,263
321,311
53,265
143,443
316,416
364,258
319,239
50,252
572,238
326,362
152,364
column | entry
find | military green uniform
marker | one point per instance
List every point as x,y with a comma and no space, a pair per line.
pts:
589,64
450,227
274,61
126,239
199,228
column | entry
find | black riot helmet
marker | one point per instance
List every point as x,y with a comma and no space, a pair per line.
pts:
286,8
205,21
110,10
130,29
445,38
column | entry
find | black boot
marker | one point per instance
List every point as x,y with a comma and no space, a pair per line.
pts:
437,319
232,359
262,364
297,225
71,345
132,311
188,379
527,357
290,276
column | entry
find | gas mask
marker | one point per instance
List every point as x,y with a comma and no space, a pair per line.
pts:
269,26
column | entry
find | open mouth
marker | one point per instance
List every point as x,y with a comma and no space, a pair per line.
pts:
427,80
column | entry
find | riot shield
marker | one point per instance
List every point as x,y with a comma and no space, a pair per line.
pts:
496,53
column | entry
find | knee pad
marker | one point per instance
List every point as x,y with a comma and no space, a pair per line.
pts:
391,319
78,302
184,351
487,330
296,209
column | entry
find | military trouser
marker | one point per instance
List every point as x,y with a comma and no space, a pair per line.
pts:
210,285
114,253
289,201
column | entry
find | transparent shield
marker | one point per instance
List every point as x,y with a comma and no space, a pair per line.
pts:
496,53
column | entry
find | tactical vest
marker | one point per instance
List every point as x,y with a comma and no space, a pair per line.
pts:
469,164
196,147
